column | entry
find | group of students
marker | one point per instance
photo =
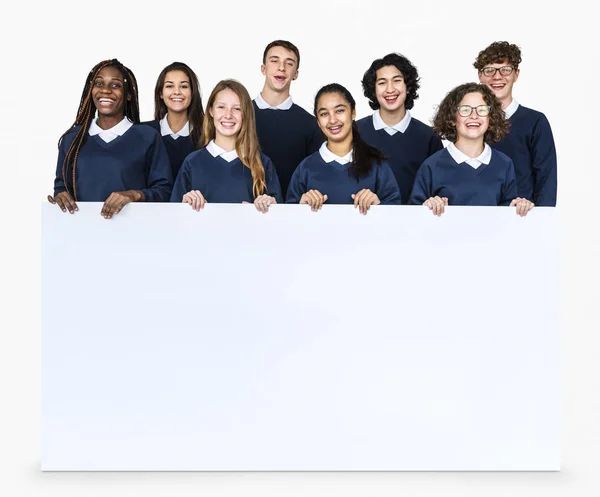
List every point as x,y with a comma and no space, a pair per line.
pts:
270,150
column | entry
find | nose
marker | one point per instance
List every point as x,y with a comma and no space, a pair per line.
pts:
497,75
389,87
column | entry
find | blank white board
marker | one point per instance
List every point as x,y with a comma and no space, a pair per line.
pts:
232,340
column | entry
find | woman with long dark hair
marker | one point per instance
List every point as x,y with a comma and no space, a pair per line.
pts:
345,170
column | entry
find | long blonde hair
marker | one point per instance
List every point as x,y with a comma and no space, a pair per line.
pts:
246,142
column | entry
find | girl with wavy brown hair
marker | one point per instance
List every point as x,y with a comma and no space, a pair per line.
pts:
468,171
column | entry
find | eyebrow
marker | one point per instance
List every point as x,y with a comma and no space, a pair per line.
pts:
183,81
276,57
112,79
385,79
336,107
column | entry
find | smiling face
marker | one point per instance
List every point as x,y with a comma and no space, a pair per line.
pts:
474,126
335,116
280,69
501,85
108,93
226,113
390,89
177,91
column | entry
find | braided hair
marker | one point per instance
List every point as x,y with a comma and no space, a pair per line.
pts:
87,112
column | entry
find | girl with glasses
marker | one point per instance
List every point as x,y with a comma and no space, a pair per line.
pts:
230,167
468,171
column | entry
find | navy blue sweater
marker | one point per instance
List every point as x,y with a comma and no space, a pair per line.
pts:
405,151
221,181
137,160
178,149
334,180
530,145
491,184
287,137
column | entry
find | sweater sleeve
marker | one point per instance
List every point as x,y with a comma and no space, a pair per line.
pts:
183,182
63,147
386,186
159,181
543,153
298,185
422,187
509,188
273,186
59,184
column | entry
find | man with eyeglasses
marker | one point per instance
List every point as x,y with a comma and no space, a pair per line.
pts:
529,142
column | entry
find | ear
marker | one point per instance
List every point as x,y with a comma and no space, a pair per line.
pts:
480,74
354,114
263,69
295,76
129,97
517,72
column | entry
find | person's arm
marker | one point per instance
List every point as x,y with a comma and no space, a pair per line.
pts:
386,186
159,182
298,185
422,187
509,187
544,164
271,179
183,182
62,197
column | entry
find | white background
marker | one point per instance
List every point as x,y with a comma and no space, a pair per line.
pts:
47,50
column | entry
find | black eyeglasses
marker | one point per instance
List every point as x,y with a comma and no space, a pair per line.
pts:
491,71
467,110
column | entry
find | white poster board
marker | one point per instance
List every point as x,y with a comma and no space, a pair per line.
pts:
233,340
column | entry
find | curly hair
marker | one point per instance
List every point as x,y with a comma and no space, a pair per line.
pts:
408,70
444,121
497,53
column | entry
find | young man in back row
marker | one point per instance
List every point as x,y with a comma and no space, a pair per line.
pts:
391,85
529,142
286,132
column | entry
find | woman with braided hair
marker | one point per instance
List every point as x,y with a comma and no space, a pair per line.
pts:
108,158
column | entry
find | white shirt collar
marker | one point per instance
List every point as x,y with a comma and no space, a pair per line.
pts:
110,134
215,151
328,156
401,126
475,162
511,109
262,104
165,129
